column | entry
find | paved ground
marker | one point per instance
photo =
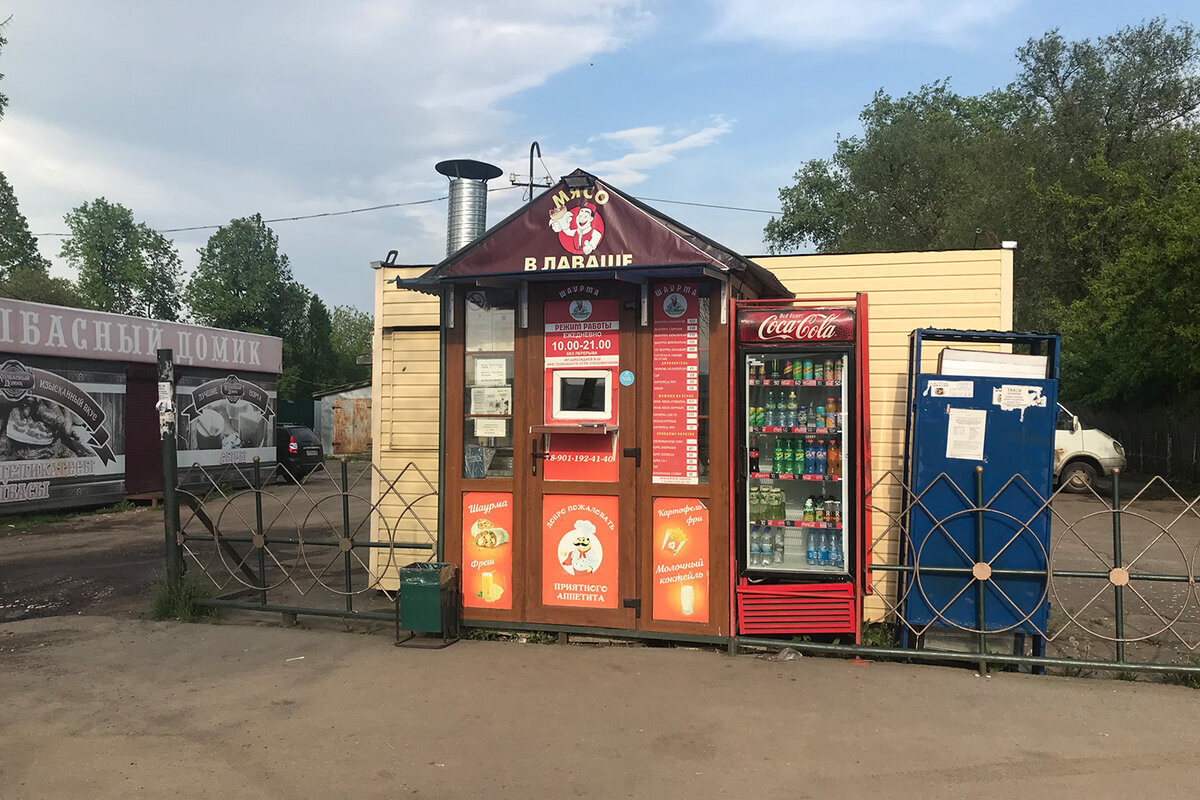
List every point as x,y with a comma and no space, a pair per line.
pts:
101,703
116,708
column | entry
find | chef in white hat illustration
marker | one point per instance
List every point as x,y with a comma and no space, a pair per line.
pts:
581,559
579,228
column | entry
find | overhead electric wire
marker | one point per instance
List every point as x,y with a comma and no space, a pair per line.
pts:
385,206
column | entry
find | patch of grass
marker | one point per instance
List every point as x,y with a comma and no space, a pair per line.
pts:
1190,680
180,602
529,637
1125,675
879,634
117,508
26,521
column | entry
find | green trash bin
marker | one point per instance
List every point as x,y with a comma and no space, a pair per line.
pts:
428,601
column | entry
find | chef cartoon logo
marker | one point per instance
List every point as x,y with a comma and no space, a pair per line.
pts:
580,229
675,305
581,310
579,551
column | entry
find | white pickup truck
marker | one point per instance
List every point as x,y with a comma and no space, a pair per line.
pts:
1082,455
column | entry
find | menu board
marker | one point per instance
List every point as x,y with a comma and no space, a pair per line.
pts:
579,551
680,559
676,379
487,550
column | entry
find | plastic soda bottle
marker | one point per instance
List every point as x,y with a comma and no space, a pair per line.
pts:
836,557
809,510
778,546
765,546
798,461
793,410
755,546
819,510
813,552
822,458
826,543
777,458
789,457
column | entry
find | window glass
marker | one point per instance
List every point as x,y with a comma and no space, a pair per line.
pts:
490,323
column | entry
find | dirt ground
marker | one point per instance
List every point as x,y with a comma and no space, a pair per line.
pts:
102,708
103,703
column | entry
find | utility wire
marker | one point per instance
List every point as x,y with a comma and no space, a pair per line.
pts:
426,202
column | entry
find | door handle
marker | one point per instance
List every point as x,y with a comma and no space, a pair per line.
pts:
635,453
534,455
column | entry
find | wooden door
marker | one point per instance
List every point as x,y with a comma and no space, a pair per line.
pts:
579,489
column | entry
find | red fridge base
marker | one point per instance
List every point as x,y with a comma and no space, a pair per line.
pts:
796,608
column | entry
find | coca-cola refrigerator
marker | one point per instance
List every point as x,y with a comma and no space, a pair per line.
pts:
801,385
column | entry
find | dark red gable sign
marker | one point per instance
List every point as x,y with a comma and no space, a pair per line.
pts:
776,325
574,230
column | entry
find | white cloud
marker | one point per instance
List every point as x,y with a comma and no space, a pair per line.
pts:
821,25
643,149
198,114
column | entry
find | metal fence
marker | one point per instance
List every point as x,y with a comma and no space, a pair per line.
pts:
324,544
1118,576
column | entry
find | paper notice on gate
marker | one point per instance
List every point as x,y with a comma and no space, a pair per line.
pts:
1012,397
950,389
964,436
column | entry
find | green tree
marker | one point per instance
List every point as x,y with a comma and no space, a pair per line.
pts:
18,247
37,286
1136,333
937,170
124,266
350,338
243,282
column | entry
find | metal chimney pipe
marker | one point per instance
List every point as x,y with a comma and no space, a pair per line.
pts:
467,217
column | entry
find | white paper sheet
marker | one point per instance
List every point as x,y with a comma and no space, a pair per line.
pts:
964,436
490,371
485,427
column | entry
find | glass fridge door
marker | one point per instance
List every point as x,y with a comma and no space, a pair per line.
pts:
796,433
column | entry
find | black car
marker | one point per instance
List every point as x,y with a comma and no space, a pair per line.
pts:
297,449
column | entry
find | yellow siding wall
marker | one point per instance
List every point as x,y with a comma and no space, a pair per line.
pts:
404,402
956,289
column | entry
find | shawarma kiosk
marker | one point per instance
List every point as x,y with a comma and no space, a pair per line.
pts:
637,430
587,440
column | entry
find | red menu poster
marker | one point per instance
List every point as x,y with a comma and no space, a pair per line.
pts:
579,551
676,379
582,332
680,560
487,550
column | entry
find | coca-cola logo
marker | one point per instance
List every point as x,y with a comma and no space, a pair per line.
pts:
803,327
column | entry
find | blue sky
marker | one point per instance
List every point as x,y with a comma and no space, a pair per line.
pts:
192,114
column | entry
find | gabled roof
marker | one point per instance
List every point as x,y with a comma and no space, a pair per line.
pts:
617,234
